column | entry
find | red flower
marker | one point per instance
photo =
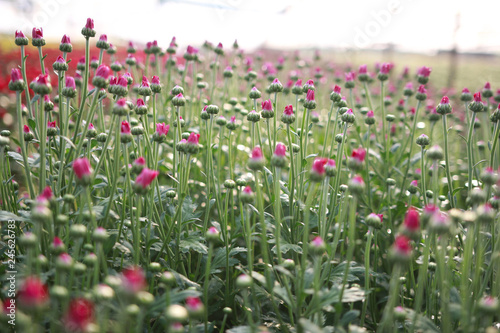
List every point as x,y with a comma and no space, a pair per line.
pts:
402,245
33,292
288,110
80,314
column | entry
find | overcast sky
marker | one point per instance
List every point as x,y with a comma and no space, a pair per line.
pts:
413,25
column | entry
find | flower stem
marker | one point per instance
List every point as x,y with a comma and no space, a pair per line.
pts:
447,160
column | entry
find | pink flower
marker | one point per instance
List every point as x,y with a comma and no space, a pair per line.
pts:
385,68
103,72
349,77
125,128
445,100
424,71
257,153
370,114
330,163
409,86
310,82
465,91
288,110
37,33
363,69
267,105
318,165
191,50
81,167
19,34
65,40
477,97
89,24
51,124
70,82
15,75
414,183
103,38
310,95
359,154
140,161
298,83
46,194
232,120
155,80
412,220
357,180
122,81
193,138
122,103
57,242
421,89
162,129
133,278
140,102
26,129
280,150
487,86
194,304
337,89
402,245
146,177
248,190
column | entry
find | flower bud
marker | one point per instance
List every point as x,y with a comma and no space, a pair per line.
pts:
88,29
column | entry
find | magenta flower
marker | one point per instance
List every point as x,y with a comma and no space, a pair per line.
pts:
298,83
414,183
33,293
161,128
359,154
310,95
46,194
257,153
133,279
70,82
349,77
140,161
145,82
140,102
385,68
125,128
146,177
103,38
409,86
421,89
288,110
248,190
267,105
19,34
193,139
65,40
477,97
26,129
363,69
337,89
412,221
318,165
370,114
155,80
37,33
89,24
15,75
402,246
103,72
122,81
280,150
51,124
424,71
81,168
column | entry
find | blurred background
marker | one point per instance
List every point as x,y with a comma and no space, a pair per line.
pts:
460,39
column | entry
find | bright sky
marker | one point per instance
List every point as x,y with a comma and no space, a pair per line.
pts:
412,25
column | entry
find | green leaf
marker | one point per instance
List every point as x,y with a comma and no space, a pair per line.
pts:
33,100
348,317
395,147
193,243
8,216
32,123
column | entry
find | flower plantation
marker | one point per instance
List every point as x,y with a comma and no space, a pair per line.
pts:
183,192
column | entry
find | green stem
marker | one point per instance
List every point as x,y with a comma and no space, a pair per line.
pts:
447,160
27,168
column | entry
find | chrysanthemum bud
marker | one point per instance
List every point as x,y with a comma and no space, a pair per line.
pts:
444,107
275,86
256,160
423,74
247,196
375,220
88,29
423,140
254,93
356,185
20,38
435,153
318,170
401,251
477,105
348,117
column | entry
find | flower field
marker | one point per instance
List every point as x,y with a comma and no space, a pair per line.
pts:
160,189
